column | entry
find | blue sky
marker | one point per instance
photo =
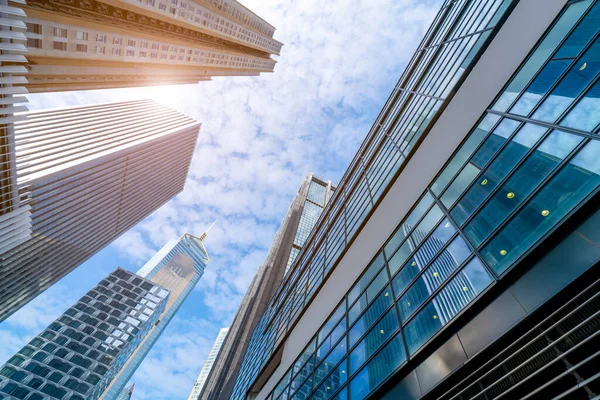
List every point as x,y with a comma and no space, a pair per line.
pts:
259,138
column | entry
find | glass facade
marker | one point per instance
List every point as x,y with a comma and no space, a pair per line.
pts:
316,199
178,266
80,353
458,34
532,159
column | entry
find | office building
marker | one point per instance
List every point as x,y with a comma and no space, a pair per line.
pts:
60,45
458,257
289,240
126,393
178,267
78,355
208,364
136,308
83,176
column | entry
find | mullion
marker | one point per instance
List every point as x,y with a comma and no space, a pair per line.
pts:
505,179
564,74
364,290
440,288
442,191
550,58
428,264
459,230
411,230
577,99
485,167
535,191
545,124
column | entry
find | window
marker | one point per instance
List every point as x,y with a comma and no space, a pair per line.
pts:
130,53
59,32
116,52
100,49
61,46
81,35
131,43
34,28
81,48
100,37
117,40
34,43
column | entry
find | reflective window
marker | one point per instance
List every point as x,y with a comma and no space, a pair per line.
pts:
371,342
572,184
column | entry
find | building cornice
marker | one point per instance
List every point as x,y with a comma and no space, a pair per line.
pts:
110,15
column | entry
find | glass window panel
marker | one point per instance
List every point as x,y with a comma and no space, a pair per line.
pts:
357,308
529,175
378,369
333,382
586,114
400,257
571,86
378,283
411,220
435,242
462,181
540,86
422,230
475,138
371,342
455,296
333,320
374,311
304,392
338,352
572,184
405,276
364,281
582,35
446,263
514,151
541,54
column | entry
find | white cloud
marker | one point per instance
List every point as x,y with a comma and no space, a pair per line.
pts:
259,138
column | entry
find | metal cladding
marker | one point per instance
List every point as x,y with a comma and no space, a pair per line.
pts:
88,174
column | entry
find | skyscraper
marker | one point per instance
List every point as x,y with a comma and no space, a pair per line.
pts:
300,219
126,393
109,331
108,44
459,256
177,267
78,355
208,364
81,177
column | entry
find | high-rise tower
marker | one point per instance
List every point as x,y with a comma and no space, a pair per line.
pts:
208,364
177,267
459,257
82,176
106,44
95,347
289,240
78,355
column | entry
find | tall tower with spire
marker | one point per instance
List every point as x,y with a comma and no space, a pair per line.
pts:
177,267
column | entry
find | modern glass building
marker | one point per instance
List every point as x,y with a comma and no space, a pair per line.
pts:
126,393
80,353
208,364
458,257
302,215
178,267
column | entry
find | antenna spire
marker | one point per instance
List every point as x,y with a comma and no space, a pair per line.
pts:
205,234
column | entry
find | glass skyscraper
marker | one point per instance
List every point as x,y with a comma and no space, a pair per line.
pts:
458,257
77,356
94,348
208,364
302,216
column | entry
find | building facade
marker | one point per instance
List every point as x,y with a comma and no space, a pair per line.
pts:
111,44
126,393
300,219
80,353
208,364
458,257
178,267
82,177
